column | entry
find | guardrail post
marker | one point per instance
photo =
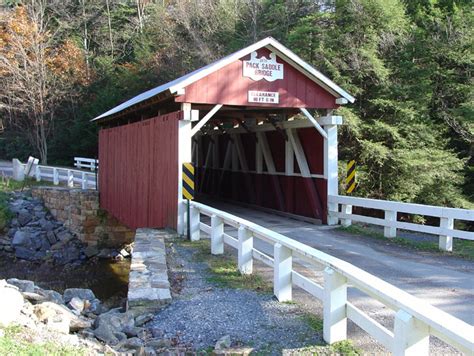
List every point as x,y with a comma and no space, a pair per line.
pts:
346,209
195,222
412,337
55,176
217,235
446,241
245,250
388,231
334,306
38,173
282,268
84,181
18,170
70,179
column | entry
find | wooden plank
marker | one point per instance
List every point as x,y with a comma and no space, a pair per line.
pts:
372,327
308,285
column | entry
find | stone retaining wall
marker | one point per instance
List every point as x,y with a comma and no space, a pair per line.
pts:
148,286
79,211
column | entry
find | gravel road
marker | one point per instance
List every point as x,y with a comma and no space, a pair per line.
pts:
200,314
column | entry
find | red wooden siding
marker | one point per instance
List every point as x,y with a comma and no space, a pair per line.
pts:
139,172
228,86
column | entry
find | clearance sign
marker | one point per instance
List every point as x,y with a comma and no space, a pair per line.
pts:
263,68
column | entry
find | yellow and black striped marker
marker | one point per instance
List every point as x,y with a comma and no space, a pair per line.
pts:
351,176
188,181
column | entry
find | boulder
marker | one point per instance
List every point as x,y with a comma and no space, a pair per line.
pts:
76,305
11,303
51,237
57,316
25,254
78,293
24,217
21,238
23,285
105,333
34,297
132,331
115,320
143,319
52,296
96,307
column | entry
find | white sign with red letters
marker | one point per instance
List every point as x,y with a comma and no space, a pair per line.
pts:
263,68
263,97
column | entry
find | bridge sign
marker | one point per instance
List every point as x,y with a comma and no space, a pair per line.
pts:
188,181
351,176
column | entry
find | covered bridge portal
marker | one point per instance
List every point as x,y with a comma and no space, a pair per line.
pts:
244,121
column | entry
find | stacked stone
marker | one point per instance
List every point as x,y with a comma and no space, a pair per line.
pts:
79,211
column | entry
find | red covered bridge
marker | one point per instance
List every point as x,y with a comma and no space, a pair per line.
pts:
249,124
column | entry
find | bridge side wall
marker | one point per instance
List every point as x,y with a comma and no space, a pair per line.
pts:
138,175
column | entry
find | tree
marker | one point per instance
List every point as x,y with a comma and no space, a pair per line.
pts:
37,72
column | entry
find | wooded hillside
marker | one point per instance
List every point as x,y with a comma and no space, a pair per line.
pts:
408,63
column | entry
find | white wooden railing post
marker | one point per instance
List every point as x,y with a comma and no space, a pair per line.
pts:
217,235
70,179
446,241
195,223
334,306
282,268
38,173
55,176
84,180
245,250
389,231
346,209
411,336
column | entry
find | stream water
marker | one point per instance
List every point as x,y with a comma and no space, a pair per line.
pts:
106,278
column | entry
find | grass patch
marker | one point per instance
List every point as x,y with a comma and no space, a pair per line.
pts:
345,348
223,269
461,248
15,341
5,213
313,322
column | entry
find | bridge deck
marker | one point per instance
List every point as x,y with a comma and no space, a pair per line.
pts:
444,281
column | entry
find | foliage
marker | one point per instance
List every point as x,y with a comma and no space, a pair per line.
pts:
408,63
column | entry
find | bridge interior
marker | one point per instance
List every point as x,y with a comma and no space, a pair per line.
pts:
264,157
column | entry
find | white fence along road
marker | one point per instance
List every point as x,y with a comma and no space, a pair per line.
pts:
415,320
447,216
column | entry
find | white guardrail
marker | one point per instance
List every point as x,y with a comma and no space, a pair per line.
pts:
415,320
447,216
88,163
72,177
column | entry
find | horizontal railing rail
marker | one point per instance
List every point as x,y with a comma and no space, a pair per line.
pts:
89,163
72,177
445,230
415,320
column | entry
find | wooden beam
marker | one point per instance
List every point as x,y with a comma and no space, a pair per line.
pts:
314,122
205,119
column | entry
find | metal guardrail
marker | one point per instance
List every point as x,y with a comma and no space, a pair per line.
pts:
447,216
414,321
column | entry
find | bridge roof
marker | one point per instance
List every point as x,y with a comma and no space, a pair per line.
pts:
176,86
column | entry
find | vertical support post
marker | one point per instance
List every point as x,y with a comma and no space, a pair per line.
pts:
388,231
446,241
70,179
346,209
330,163
289,157
38,173
84,180
411,336
334,306
184,155
217,235
55,176
195,224
282,268
18,170
245,250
